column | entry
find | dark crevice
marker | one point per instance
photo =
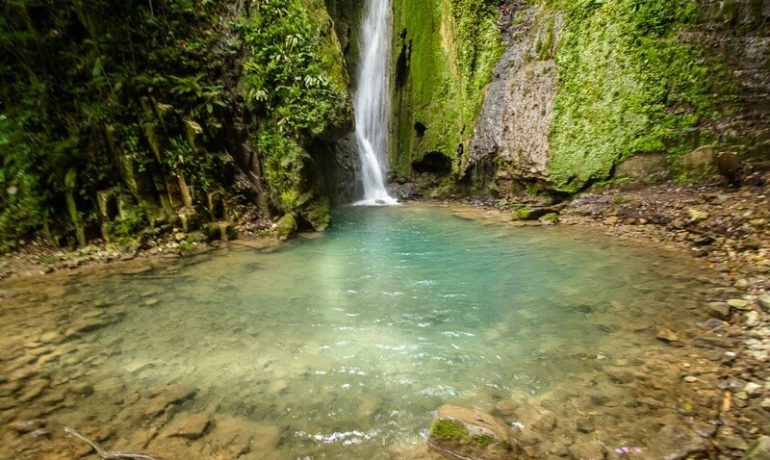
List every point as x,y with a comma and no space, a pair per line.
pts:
434,163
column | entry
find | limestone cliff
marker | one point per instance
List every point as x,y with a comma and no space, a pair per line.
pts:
579,87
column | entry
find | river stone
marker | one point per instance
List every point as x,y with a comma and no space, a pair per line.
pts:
677,442
458,432
764,300
83,389
752,319
760,450
718,310
666,335
25,426
587,450
167,398
739,304
188,426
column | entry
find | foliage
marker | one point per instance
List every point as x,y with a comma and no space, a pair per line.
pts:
628,84
109,89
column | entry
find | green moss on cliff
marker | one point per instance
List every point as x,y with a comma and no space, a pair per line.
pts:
444,51
629,83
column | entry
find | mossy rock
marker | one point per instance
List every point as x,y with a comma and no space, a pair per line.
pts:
319,214
536,212
286,227
550,219
458,432
224,231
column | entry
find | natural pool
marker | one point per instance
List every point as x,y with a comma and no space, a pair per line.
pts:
343,346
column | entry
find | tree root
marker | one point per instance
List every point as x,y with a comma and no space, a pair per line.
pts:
109,454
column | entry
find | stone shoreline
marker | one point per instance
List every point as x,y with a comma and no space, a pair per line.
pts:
725,386
728,231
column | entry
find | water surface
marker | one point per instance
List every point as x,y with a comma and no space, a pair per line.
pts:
344,345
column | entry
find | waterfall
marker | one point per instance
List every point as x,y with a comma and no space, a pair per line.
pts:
371,102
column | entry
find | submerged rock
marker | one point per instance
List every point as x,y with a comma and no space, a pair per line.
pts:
459,433
666,335
25,426
188,426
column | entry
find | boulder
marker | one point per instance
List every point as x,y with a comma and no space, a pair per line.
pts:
700,159
644,168
286,227
459,433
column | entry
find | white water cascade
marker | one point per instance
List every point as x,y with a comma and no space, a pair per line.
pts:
371,103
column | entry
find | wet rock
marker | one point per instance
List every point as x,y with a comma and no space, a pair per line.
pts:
677,442
51,337
718,310
623,375
739,304
25,426
33,390
666,335
83,389
176,395
188,426
585,425
760,450
151,302
84,325
458,432
587,450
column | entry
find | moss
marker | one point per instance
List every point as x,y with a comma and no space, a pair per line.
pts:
550,218
522,214
481,440
628,84
450,430
286,227
319,214
445,52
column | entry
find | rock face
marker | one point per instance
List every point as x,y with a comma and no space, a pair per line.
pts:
518,107
459,433
567,105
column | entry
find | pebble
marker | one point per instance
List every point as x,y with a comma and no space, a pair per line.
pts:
752,388
666,335
83,389
752,319
151,302
718,310
764,300
690,379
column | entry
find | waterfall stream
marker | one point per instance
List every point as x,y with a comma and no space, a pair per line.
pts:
371,103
